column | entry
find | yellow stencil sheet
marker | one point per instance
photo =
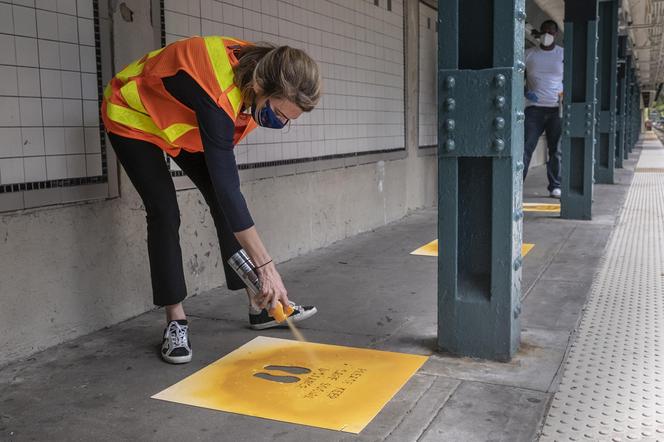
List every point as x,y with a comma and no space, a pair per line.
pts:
537,207
431,249
326,386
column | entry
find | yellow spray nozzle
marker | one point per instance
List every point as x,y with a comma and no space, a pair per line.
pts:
279,314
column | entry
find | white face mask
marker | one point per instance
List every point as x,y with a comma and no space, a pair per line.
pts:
547,39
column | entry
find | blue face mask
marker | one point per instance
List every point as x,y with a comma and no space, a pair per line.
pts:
266,117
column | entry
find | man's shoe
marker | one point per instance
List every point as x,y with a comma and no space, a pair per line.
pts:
263,320
555,193
176,347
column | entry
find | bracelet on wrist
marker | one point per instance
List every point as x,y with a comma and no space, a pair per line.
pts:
264,264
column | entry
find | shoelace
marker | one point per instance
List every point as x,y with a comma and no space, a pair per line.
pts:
178,334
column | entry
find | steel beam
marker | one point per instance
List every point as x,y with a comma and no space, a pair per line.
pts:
607,52
480,111
579,116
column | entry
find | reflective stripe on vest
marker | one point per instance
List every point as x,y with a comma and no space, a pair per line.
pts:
143,122
136,116
135,68
223,70
130,94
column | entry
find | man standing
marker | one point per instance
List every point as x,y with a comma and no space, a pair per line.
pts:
544,87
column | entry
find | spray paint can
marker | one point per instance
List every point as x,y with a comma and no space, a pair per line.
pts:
245,269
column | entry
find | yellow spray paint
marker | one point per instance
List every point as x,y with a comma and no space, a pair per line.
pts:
280,316
343,389
431,249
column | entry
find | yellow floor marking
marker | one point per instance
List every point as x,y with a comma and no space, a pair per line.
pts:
431,249
326,386
525,248
537,207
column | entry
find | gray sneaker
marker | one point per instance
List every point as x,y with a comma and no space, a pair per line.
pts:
555,193
176,347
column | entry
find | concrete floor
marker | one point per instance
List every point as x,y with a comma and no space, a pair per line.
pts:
370,293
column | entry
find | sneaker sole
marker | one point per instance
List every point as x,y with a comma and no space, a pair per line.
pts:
177,359
295,318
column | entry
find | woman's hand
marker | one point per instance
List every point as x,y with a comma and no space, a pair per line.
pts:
272,287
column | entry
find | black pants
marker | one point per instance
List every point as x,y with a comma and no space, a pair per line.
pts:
148,172
543,119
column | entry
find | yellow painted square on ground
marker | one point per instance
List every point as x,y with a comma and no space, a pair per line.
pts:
326,386
537,207
431,249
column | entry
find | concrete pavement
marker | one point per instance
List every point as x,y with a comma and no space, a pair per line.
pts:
370,293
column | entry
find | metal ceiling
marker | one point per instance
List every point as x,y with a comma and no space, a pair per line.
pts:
643,21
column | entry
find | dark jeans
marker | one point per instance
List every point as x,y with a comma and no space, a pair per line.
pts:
145,164
538,120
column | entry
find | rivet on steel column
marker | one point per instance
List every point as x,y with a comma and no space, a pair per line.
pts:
480,176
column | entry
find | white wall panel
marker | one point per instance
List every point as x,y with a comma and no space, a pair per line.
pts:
428,128
46,103
359,47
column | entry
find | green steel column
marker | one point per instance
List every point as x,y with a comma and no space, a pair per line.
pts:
633,109
579,116
622,95
636,115
637,112
480,83
607,51
629,104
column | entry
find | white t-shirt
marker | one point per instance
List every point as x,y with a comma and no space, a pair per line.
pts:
544,75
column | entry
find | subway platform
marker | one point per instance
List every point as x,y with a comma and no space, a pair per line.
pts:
372,294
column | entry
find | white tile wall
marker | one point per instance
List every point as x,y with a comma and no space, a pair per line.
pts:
49,110
24,21
28,82
11,170
10,142
74,140
32,140
75,166
359,47
7,50
31,111
8,80
6,19
35,168
428,109
92,142
54,140
27,52
56,167
93,164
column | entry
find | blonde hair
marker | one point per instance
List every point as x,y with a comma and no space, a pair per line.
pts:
278,72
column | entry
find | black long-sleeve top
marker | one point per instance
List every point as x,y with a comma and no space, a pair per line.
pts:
216,129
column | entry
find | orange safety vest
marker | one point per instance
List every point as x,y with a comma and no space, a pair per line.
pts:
137,105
